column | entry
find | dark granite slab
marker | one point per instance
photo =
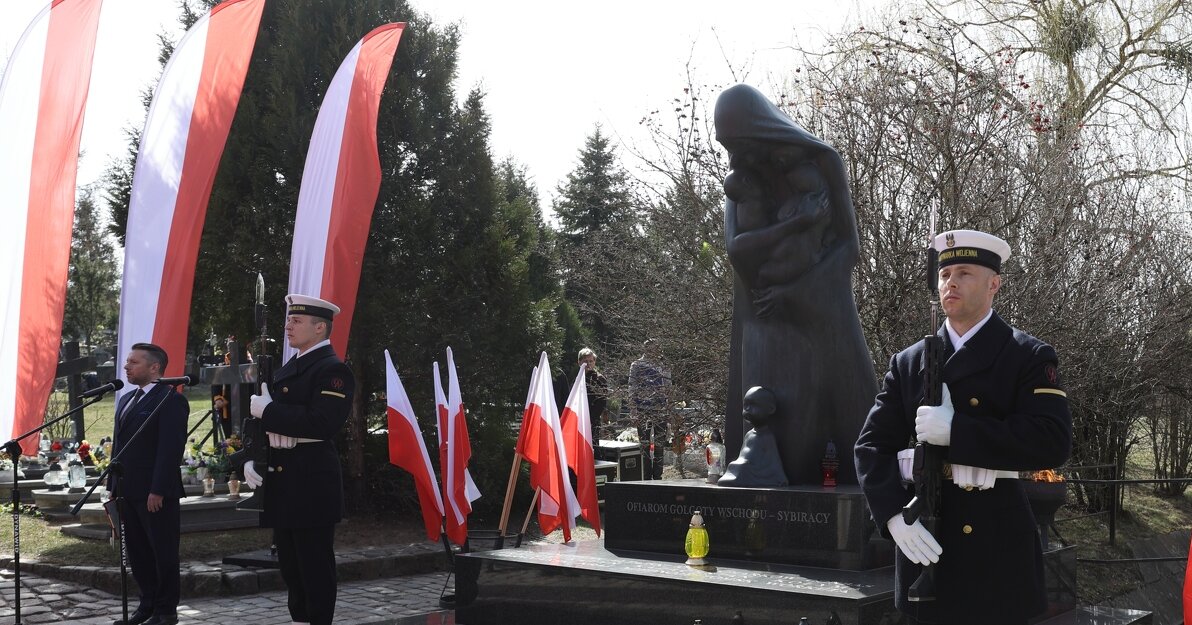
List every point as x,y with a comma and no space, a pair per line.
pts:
1101,615
261,558
583,583
794,525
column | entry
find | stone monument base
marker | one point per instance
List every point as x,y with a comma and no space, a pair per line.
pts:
583,583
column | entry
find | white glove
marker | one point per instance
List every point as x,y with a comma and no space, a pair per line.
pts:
915,542
251,477
257,404
933,424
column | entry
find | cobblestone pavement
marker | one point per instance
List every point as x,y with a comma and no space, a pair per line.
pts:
372,601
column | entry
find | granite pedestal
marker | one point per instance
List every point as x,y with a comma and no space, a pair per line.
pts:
198,514
777,554
585,584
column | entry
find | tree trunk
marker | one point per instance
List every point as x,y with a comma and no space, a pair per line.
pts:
355,487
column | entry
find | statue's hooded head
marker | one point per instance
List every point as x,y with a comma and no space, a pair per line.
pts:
744,116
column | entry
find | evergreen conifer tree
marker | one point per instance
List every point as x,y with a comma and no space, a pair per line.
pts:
93,276
597,218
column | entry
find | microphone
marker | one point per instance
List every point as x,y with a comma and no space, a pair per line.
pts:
114,385
186,379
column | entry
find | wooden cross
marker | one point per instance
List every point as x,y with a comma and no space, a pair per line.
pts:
73,368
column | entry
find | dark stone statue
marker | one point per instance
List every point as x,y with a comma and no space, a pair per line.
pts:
759,464
792,241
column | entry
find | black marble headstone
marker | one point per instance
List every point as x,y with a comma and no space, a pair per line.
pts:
796,525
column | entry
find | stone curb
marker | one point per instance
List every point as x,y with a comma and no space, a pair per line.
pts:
201,579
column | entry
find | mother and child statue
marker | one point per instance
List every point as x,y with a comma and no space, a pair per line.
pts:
799,371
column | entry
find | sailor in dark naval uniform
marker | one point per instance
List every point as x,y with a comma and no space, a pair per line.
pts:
305,498
1004,410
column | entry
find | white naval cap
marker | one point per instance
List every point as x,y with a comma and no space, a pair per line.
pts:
971,247
306,305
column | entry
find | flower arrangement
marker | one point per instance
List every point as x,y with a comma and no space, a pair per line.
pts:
210,460
102,453
84,452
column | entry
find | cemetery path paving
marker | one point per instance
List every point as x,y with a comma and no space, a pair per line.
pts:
50,601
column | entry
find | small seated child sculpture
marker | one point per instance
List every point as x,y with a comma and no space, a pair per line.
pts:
759,463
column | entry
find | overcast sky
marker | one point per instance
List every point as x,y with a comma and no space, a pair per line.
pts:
551,70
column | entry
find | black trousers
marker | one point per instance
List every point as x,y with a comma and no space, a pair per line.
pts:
152,542
307,559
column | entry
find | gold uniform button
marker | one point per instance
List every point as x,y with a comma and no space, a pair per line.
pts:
286,389
974,402
968,488
967,529
279,470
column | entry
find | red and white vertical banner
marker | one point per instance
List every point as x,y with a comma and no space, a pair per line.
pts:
340,182
43,95
407,450
540,442
1188,588
577,439
184,137
455,451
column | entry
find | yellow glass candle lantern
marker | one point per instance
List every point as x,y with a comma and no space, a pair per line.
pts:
697,544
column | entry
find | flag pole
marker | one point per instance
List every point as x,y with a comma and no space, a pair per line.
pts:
509,488
530,512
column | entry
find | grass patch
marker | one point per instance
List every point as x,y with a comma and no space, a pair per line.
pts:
99,419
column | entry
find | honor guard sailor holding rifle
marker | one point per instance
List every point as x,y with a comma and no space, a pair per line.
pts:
1004,410
302,410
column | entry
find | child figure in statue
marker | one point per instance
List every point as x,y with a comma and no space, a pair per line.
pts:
783,256
759,463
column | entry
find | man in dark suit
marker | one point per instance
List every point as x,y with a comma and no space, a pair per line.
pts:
1004,410
151,484
305,498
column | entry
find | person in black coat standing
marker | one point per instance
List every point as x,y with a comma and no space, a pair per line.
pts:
151,484
305,497
1004,410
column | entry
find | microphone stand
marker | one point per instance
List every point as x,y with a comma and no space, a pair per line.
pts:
115,469
13,449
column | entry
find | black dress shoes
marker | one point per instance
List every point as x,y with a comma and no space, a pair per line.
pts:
162,619
136,618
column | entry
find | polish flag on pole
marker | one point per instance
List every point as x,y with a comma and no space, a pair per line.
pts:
1188,588
183,140
340,182
540,442
577,438
43,95
455,450
408,451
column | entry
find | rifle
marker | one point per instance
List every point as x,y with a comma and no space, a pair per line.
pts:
928,469
255,440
